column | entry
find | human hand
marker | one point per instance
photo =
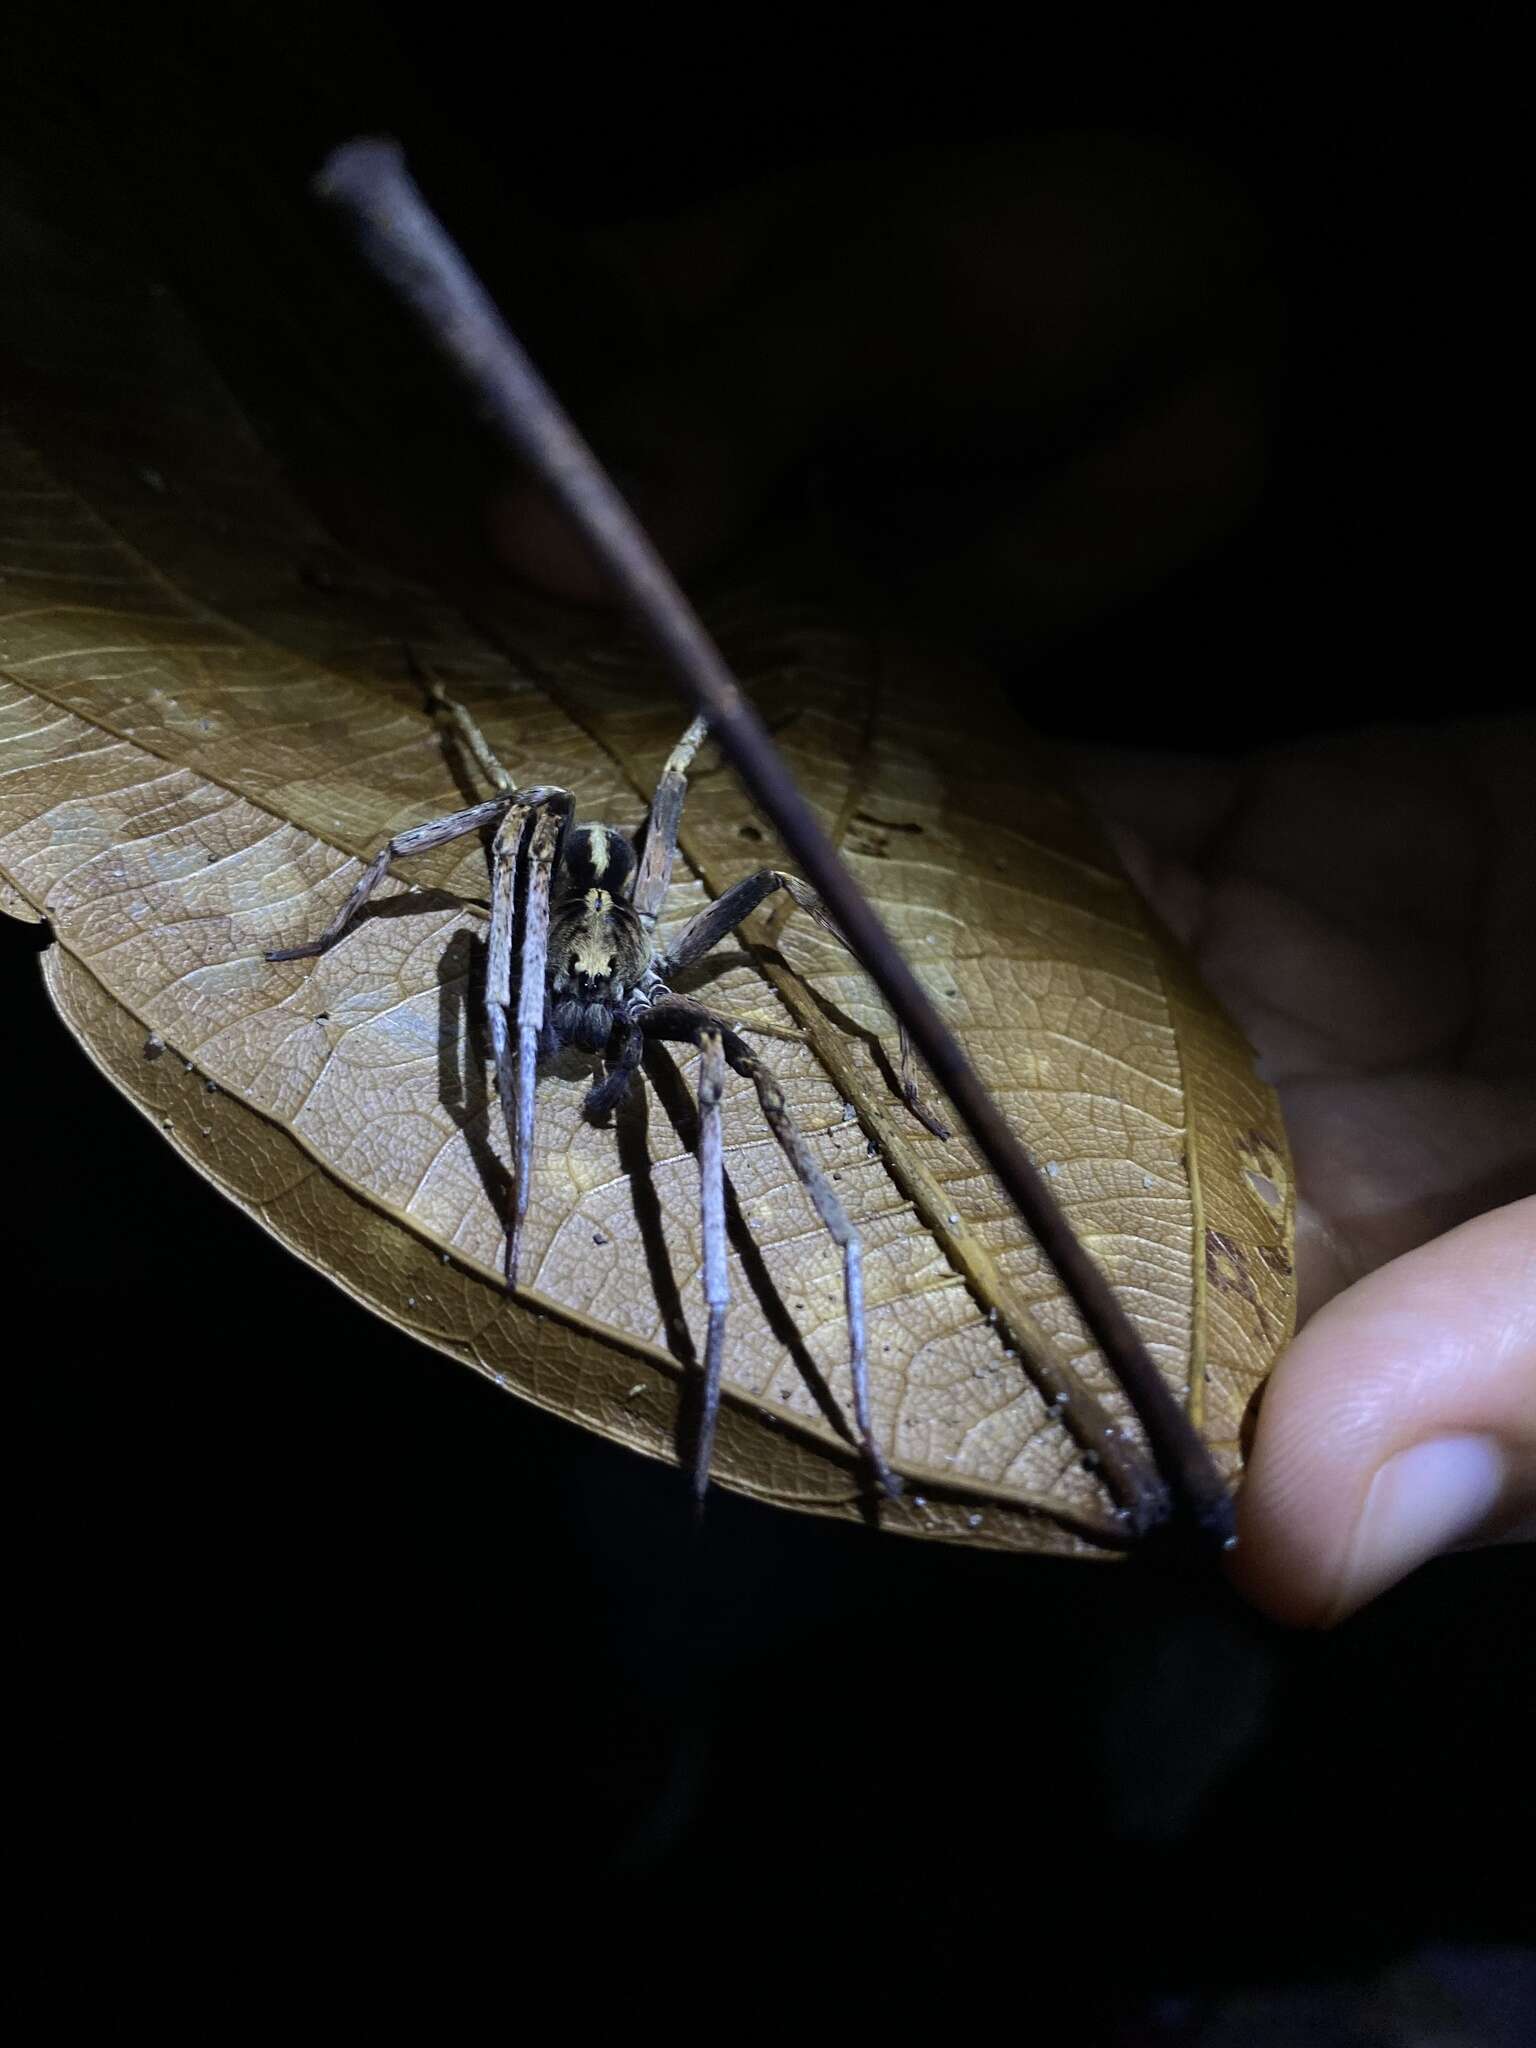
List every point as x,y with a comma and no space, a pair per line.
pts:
1062,391
1365,907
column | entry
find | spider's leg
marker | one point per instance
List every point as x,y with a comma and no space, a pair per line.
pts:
717,1289
911,1094
418,840
719,919
474,739
611,1090
534,848
649,889
678,1017
839,1227
470,734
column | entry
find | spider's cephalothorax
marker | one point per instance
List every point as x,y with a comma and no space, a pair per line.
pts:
597,947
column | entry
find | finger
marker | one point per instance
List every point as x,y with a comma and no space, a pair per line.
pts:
1400,1424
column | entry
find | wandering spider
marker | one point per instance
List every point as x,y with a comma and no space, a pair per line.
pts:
578,906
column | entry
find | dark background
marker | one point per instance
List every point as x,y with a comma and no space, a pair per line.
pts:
313,1623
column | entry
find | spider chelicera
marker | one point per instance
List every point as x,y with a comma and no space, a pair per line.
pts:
577,906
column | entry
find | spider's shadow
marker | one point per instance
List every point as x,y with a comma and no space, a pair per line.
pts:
464,1058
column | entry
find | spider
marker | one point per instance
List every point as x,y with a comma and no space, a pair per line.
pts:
578,905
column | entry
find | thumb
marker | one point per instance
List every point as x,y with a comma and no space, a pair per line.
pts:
1400,1424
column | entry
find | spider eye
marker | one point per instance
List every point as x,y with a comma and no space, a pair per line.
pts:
570,965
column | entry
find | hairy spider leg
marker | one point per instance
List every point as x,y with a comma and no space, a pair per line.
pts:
648,890
480,748
610,1091
677,1017
418,840
719,919
550,810
538,854
527,842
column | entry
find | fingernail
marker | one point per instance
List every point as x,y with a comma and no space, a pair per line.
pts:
1421,1502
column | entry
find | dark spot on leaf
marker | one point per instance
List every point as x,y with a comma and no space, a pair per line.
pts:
1226,1268
749,832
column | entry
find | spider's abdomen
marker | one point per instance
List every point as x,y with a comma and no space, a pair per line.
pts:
596,857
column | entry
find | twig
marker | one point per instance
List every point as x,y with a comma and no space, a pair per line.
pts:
402,240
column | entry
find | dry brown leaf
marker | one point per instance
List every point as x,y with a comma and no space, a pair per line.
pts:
207,720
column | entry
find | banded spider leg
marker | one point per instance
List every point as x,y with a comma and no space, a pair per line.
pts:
677,1018
530,826
659,1014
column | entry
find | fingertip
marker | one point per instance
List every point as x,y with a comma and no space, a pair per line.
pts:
1422,1501
1400,1424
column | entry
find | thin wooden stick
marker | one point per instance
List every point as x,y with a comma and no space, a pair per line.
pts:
397,234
